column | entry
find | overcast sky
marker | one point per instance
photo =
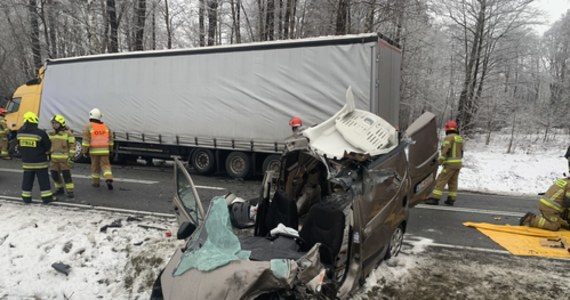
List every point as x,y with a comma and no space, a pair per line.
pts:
553,10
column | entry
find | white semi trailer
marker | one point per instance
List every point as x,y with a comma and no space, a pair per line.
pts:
223,108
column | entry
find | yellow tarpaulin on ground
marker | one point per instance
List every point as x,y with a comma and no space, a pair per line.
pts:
523,240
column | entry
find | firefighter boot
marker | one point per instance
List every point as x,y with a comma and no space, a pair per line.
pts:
449,201
432,201
109,184
70,195
59,191
525,220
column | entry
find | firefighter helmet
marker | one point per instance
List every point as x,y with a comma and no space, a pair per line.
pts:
295,122
31,117
450,125
95,114
59,119
2,111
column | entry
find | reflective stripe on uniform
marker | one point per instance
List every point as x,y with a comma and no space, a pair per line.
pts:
26,194
58,137
452,194
437,192
69,186
46,193
561,183
551,204
107,173
34,166
541,222
454,161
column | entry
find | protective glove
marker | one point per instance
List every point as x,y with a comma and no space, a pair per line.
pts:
70,162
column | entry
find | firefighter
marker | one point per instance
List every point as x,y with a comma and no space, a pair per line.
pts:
296,125
98,143
450,158
553,207
34,145
62,152
3,135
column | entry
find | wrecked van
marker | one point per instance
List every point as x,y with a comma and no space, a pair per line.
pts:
336,207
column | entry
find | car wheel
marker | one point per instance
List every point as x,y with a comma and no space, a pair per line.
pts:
272,162
202,161
396,242
237,165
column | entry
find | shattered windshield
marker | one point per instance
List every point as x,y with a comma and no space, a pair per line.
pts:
215,244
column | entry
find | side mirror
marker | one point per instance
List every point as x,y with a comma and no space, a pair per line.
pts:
185,230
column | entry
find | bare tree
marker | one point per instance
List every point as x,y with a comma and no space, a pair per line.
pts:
139,25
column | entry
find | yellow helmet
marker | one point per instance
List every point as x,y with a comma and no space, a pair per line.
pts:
59,119
30,117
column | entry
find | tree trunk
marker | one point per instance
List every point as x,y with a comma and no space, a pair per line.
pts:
510,148
114,26
201,25
270,20
139,23
35,35
235,5
342,17
212,21
52,28
168,25
153,26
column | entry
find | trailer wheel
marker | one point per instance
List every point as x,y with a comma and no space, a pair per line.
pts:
14,148
203,161
78,157
238,165
272,162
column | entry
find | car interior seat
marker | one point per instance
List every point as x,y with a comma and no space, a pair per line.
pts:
282,209
324,224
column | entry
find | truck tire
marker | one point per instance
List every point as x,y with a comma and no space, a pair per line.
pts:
272,162
78,157
13,148
238,165
203,161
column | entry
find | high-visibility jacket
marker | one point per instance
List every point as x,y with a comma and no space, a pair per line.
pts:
452,149
97,138
34,144
557,197
3,127
62,145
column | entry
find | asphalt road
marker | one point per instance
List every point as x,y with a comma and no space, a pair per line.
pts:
138,187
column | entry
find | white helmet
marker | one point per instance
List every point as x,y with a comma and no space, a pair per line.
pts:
95,114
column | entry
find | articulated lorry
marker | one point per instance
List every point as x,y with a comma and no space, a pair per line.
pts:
223,108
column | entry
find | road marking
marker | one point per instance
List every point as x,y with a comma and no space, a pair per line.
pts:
141,181
471,210
93,207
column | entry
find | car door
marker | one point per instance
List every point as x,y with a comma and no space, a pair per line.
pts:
187,205
381,207
422,157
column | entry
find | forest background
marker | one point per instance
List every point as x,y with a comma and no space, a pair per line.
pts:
484,63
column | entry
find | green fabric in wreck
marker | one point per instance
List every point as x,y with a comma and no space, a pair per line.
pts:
221,247
280,268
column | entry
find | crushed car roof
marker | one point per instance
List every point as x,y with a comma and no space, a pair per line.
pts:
352,130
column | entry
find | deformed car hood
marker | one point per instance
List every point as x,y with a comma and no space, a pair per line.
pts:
351,130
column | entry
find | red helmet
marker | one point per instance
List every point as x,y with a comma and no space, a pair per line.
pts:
2,111
295,122
450,125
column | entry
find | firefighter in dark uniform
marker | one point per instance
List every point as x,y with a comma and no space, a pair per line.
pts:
451,157
62,152
34,145
553,207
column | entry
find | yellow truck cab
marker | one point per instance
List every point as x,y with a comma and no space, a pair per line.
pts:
26,98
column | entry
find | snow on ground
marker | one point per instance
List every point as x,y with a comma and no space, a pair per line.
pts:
122,262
